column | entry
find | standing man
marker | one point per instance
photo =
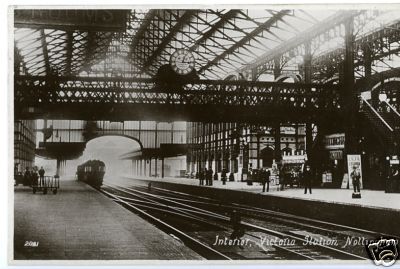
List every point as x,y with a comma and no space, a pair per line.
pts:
356,176
307,178
267,175
262,178
223,176
27,177
41,175
210,176
201,178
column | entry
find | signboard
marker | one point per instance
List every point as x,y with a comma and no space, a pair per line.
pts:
293,158
287,130
72,19
334,141
335,154
354,164
345,181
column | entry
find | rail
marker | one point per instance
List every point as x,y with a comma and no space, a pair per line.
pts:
204,248
181,207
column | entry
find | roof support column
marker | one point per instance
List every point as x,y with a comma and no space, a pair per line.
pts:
349,94
367,59
307,79
277,127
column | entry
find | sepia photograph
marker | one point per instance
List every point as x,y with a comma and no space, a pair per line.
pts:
205,135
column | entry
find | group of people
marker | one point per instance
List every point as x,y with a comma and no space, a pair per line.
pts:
207,176
34,176
263,176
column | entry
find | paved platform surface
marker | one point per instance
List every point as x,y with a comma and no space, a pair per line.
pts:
80,223
370,198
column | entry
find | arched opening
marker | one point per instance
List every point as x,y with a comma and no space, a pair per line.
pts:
267,156
109,149
290,78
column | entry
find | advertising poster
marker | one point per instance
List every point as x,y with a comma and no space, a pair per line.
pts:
354,165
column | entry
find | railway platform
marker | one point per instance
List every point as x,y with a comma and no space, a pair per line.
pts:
376,210
79,223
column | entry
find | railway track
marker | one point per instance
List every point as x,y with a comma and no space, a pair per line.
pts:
204,224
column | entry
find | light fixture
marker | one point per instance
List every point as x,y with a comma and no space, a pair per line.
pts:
382,97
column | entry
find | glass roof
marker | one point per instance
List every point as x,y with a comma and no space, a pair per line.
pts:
222,41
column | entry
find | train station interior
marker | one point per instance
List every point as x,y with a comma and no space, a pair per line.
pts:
170,98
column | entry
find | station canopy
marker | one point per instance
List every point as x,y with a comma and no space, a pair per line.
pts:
223,41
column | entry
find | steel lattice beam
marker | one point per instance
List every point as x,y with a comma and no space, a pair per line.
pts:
44,51
69,46
123,99
183,20
318,29
143,28
263,27
215,27
392,32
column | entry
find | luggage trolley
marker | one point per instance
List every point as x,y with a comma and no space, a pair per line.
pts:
49,183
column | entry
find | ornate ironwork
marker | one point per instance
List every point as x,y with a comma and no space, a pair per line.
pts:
196,101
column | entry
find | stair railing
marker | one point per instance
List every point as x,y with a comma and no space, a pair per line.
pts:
376,113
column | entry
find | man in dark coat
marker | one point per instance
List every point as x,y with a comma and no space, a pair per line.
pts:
307,178
267,174
209,177
201,177
27,177
356,176
223,176
41,175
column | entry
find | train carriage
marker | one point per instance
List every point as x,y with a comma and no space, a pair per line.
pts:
91,172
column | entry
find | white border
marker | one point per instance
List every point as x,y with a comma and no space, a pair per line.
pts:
7,119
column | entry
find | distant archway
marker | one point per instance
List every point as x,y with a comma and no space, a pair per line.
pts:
267,156
116,134
109,149
294,78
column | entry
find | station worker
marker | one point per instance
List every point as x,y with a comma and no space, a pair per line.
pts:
356,176
307,178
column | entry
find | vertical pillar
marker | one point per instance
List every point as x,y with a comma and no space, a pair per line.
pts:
296,136
223,145
307,79
172,132
156,146
367,59
162,168
277,145
209,146
216,148
349,93
277,125
309,140
155,166
258,150
58,167
144,167
150,167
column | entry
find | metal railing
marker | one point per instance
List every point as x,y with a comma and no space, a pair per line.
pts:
392,108
376,114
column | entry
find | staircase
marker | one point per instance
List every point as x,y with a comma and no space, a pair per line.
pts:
385,123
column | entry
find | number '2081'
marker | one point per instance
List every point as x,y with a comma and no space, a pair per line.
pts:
31,244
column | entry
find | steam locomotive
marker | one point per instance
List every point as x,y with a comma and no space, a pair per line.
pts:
91,172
